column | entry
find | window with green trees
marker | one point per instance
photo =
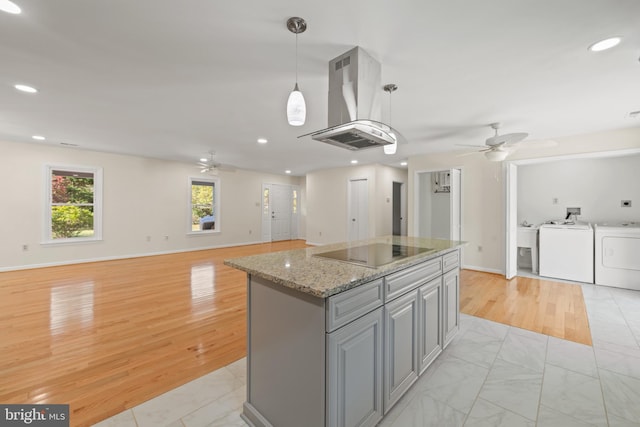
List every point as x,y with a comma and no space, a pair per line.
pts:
204,204
73,206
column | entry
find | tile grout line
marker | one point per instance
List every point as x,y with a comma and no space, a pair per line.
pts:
485,379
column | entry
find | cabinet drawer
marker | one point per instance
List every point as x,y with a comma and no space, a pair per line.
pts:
404,280
349,305
450,261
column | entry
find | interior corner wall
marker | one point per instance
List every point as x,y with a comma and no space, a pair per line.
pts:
142,197
327,204
483,196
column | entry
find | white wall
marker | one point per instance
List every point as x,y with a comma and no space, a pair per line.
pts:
424,199
483,222
142,197
327,201
597,186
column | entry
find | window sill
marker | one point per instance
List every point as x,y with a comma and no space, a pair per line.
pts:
202,232
71,241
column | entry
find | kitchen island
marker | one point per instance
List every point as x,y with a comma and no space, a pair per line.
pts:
337,334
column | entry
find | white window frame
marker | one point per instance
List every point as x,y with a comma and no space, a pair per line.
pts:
216,209
47,233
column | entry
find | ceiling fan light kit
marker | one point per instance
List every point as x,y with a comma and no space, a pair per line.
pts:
296,106
496,155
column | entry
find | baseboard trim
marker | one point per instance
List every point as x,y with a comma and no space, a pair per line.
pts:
251,416
483,269
117,257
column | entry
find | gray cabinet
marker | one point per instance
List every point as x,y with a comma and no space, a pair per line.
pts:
345,360
451,285
430,323
354,373
400,346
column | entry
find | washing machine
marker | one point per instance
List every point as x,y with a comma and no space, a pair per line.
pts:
617,254
566,251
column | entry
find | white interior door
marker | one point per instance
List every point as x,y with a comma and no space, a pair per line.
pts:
358,218
280,205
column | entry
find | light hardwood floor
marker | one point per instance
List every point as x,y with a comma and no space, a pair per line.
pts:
550,308
107,336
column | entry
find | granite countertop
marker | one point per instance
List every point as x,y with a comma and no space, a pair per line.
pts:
322,277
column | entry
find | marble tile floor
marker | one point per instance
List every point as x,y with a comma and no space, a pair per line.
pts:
490,375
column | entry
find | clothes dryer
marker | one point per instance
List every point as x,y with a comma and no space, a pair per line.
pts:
617,255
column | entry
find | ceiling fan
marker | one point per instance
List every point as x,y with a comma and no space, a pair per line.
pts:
498,147
212,167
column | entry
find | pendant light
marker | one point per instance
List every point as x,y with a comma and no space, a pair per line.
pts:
390,148
296,107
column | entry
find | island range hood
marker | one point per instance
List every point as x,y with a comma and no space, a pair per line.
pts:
354,104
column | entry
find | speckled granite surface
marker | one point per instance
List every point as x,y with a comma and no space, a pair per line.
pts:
321,277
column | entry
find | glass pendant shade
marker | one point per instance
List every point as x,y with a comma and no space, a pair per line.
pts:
391,148
296,108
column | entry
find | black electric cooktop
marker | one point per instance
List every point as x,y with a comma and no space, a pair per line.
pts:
373,255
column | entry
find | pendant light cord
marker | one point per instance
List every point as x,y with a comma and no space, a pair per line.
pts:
296,58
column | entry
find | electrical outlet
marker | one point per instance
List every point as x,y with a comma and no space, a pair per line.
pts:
166,237
148,238
625,203
319,233
573,211
25,247
249,231
554,201
479,248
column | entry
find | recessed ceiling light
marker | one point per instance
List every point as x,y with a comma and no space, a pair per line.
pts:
203,159
354,162
287,171
262,140
605,44
38,137
403,163
25,88
9,7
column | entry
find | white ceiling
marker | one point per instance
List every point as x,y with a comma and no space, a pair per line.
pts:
175,79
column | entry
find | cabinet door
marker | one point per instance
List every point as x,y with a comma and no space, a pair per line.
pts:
451,282
354,373
401,347
430,324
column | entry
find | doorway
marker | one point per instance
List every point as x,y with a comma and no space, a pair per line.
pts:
438,204
279,212
399,222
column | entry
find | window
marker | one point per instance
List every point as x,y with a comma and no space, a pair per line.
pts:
74,204
204,209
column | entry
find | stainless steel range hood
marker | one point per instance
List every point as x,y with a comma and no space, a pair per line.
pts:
354,104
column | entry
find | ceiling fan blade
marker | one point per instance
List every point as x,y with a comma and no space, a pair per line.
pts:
507,138
469,145
468,153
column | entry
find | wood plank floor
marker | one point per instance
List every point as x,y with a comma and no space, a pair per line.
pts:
550,308
107,336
